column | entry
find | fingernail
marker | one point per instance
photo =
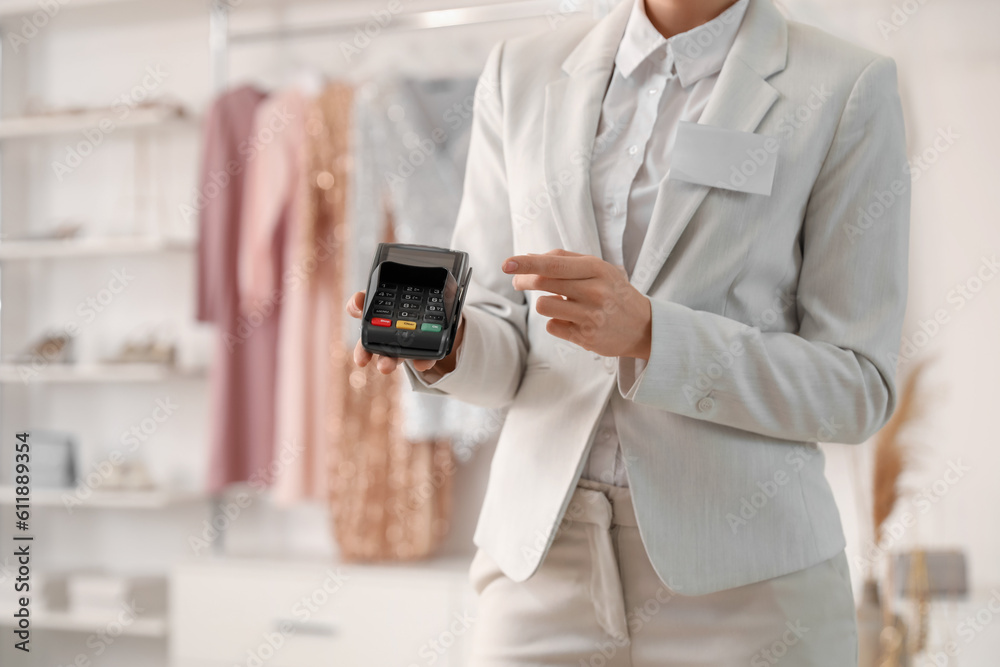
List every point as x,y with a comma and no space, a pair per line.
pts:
509,266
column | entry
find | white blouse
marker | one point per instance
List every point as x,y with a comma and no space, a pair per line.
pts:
656,83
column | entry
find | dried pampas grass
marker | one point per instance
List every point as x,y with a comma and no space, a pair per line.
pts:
893,452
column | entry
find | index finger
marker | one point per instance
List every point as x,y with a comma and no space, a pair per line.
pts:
567,267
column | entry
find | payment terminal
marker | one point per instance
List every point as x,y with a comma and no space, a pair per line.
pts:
414,298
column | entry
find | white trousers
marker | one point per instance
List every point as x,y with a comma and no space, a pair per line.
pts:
596,601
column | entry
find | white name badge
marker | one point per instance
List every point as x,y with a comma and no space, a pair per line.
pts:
722,158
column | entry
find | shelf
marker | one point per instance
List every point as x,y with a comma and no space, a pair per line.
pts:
136,500
62,123
12,373
147,626
91,247
22,7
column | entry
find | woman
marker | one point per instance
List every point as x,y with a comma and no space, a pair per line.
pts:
689,227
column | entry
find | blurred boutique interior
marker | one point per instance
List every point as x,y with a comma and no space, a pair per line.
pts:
190,191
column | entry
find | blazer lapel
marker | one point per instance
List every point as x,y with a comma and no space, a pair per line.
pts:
572,113
739,101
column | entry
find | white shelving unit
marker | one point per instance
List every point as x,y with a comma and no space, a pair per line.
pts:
152,627
127,500
150,244
11,251
10,8
97,373
201,620
65,123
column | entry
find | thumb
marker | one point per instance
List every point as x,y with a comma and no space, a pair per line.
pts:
423,364
355,304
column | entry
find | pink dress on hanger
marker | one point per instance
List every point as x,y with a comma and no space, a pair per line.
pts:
275,209
243,370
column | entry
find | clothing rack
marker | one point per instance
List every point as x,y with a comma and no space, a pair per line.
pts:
221,39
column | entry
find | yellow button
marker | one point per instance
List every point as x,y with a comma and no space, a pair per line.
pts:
404,324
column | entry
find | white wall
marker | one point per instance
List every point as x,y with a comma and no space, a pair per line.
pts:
948,58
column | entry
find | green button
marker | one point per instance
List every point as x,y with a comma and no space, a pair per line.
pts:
427,326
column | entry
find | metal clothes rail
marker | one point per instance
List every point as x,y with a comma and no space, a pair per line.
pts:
221,39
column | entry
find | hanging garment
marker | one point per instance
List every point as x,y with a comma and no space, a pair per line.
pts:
412,139
243,370
390,496
390,499
278,213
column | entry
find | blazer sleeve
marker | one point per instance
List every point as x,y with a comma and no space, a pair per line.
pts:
491,359
834,379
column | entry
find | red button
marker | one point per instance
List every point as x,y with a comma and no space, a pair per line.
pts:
381,322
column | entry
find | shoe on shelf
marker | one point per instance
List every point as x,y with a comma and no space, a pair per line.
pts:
146,351
63,231
53,347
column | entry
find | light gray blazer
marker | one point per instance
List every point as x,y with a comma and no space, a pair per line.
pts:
776,318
